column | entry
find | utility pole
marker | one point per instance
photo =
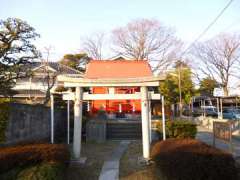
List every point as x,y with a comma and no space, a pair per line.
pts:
180,88
179,76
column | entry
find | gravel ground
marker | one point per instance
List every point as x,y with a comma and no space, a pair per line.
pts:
131,169
96,154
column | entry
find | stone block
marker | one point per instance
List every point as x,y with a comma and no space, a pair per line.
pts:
96,130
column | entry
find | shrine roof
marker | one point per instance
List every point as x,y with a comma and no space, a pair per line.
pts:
115,69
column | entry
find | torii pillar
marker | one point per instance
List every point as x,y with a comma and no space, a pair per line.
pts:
77,132
145,122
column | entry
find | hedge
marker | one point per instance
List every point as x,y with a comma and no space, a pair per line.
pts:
190,159
179,129
26,155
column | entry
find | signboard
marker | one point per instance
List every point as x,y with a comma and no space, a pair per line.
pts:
218,92
222,131
69,96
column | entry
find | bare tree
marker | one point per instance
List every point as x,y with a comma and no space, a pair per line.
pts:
49,77
145,39
93,45
219,58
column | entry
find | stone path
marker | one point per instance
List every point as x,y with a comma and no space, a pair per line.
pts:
110,169
206,136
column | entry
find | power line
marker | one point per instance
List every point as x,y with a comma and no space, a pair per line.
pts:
209,26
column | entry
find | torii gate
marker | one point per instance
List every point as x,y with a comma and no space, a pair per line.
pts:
79,96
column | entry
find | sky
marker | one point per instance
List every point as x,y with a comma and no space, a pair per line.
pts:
63,24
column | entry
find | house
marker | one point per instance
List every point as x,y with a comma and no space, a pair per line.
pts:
43,78
117,69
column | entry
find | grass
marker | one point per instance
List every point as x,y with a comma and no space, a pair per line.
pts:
96,154
131,169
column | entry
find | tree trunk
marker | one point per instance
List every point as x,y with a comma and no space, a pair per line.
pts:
47,97
225,90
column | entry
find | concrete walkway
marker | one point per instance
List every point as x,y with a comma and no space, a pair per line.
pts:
110,169
206,136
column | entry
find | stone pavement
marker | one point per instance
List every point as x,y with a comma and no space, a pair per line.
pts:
110,169
206,136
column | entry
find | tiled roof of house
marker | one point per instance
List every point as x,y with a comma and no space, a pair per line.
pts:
30,91
117,69
62,69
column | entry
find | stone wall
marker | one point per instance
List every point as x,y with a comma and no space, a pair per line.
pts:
33,122
207,122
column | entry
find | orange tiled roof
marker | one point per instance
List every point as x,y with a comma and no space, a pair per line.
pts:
117,69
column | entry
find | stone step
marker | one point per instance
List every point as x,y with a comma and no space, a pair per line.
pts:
118,131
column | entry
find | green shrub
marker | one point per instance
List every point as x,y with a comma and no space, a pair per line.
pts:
4,116
26,155
46,171
190,159
179,129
